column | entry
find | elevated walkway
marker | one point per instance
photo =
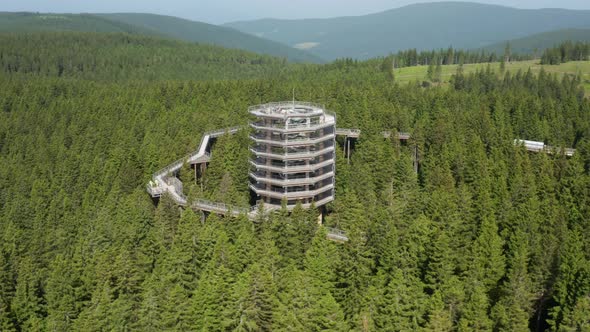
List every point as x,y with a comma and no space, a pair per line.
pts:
224,209
162,180
348,132
203,154
356,133
541,147
336,235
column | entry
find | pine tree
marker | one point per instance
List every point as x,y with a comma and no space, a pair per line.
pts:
62,295
488,259
304,304
402,306
512,311
430,72
28,304
573,281
440,319
6,293
150,316
437,73
352,281
212,307
579,318
321,260
474,312
507,52
97,316
254,306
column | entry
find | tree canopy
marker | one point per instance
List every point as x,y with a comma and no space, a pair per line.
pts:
485,236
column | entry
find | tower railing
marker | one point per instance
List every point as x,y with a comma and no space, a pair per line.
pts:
285,104
298,141
276,193
291,127
292,155
292,169
292,182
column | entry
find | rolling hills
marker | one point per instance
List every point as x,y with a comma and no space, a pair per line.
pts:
154,25
421,26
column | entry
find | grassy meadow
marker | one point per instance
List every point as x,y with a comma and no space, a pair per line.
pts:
418,73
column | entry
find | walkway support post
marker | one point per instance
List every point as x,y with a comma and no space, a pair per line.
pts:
348,155
415,157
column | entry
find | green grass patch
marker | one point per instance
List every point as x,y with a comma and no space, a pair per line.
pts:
418,73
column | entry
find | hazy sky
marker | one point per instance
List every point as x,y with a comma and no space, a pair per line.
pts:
220,11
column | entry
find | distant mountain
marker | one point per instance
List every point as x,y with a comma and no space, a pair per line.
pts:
422,26
149,24
212,34
538,42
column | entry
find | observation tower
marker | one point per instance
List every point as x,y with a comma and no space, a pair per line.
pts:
293,154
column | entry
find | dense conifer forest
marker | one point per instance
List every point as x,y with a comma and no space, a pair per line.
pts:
451,56
485,237
126,57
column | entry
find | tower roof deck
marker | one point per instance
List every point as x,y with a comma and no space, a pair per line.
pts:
290,109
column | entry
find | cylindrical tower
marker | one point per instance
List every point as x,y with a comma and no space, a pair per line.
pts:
293,154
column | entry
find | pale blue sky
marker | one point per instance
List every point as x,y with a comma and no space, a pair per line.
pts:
220,11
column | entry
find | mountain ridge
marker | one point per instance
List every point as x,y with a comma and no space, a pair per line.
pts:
422,26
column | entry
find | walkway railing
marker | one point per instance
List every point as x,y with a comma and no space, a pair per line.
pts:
356,133
291,169
292,182
292,155
534,146
293,194
285,104
348,132
169,169
336,234
297,141
291,127
203,204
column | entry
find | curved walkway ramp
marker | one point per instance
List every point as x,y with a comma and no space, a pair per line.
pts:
164,179
203,154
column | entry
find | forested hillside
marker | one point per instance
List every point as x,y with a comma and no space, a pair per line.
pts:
37,22
485,237
124,57
212,34
150,25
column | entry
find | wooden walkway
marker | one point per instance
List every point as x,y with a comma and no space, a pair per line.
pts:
160,182
534,146
336,235
356,133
